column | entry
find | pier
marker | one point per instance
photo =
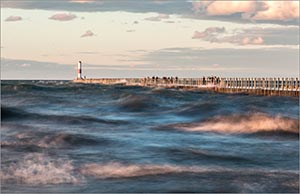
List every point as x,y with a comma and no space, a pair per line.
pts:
254,86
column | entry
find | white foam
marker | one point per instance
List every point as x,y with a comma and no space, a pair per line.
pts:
37,169
118,170
245,124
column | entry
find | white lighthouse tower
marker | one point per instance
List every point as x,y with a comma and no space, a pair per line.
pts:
79,75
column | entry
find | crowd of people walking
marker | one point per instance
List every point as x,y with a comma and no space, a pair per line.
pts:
210,80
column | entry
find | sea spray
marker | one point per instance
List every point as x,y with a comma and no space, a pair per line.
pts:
37,169
243,123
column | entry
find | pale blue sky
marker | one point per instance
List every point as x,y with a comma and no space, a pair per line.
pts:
45,39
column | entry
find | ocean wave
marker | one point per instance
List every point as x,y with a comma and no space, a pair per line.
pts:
167,92
203,155
49,86
11,113
244,124
203,108
70,140
36,169
119,170
136,103
34,140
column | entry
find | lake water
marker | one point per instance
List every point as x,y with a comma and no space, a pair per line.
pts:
58,136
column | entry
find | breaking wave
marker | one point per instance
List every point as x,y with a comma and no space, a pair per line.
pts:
36,169
119,170
244,124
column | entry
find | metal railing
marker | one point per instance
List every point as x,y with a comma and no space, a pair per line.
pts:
278,84
290,84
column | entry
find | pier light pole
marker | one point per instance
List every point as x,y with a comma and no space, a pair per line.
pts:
79,70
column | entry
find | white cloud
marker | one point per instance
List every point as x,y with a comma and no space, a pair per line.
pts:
218,35
63,17
13,18
88,33
208,32
252,40
279,10
231,7
253,10
158,18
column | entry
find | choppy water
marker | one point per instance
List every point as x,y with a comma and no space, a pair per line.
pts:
57,136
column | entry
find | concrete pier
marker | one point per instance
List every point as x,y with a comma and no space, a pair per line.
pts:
255,86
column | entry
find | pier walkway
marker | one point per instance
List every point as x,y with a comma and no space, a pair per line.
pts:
256,86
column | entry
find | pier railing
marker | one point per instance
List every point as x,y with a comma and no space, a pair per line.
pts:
291,84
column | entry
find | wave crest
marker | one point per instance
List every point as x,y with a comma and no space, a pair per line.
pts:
38,169
118,170
245,124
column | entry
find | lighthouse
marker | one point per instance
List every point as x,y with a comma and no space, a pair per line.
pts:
79,75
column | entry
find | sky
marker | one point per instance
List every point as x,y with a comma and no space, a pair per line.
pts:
43,39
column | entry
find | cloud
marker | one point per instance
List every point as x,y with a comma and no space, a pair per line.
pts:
231,7
135,22
217,35
158,18
279,10
208,33
241,39
134,6
170,22
251,10
88,33
63,17
13,19
275,35
252,40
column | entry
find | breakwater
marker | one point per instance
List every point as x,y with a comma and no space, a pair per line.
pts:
256,86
